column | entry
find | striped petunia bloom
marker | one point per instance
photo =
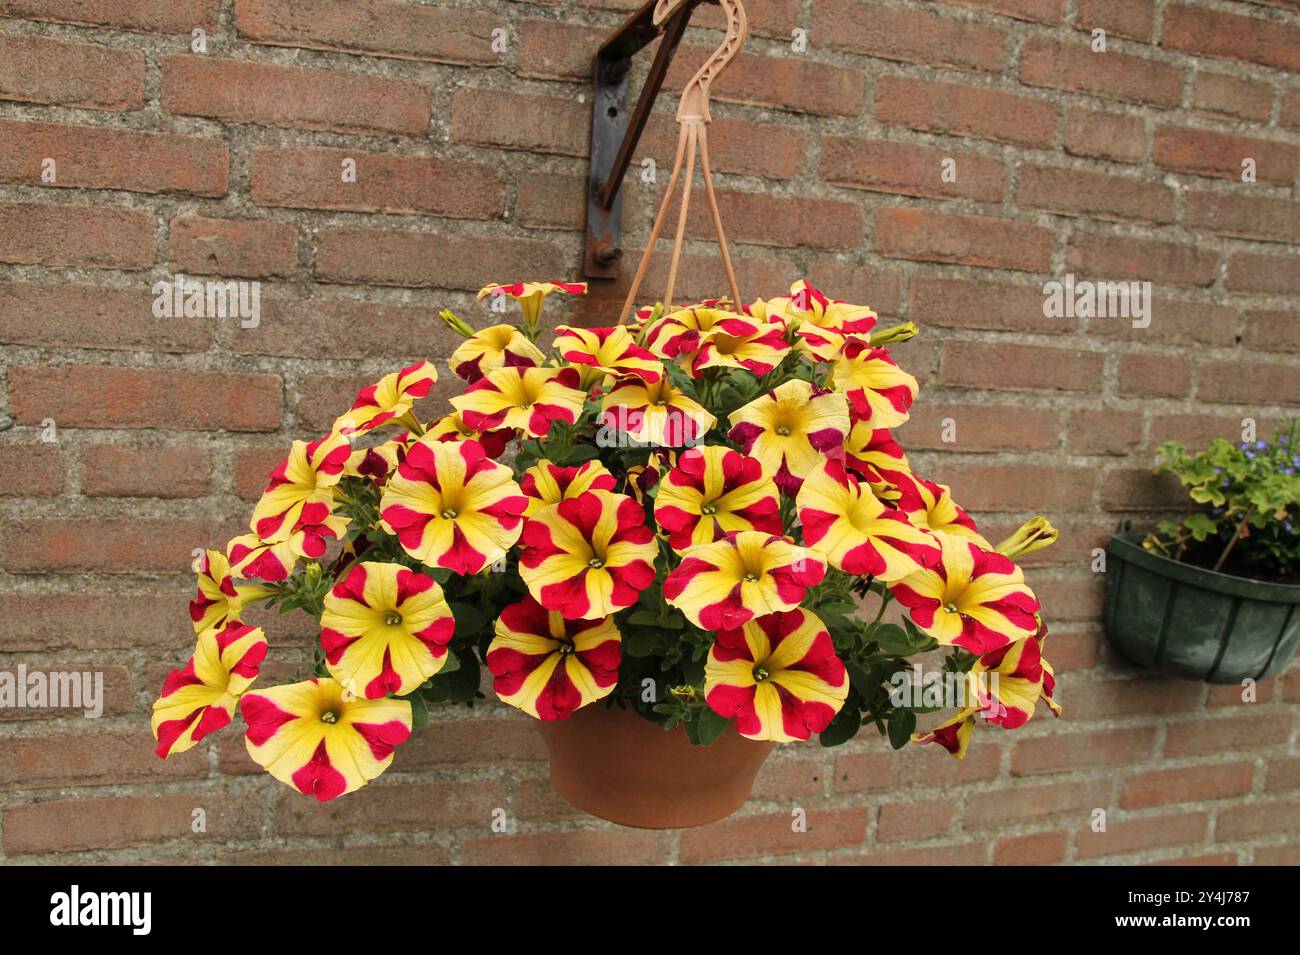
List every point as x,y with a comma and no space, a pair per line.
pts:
747,574
791,429
298,504
778,675
251,557
220,600
871,451
809,307
930,506
545,483
713,491
879,392
758,352
200,698
530,295
389,399
452,506
680,332
606,351
974,598
856,533
379,461
452,427
588,556
501,346
548,666
320,739
655,414
528,399
385,629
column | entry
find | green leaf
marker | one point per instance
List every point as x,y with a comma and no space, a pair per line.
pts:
419,711
843,728
902,724
711,726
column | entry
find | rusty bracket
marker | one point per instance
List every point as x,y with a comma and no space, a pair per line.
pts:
615,132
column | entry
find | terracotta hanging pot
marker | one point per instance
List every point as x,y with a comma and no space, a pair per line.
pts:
616,765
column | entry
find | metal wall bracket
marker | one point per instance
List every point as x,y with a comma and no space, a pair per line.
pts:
615,132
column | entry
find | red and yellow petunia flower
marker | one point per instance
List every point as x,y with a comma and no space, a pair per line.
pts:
298,504
713,491
528,399
606,351
747,574
545,483
856,533
640,479
778,675
220,600
200,698
791,429
250,557
389,399
657,414
930,506
974,598
588,556
501,346
452,506
808,306
879,392
319,738
680,332
385,629
451,427
1007,685
548,666
530,295
758,352
871,451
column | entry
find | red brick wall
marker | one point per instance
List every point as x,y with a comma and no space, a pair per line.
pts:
1117,165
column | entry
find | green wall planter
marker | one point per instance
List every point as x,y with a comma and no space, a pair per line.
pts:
1195,623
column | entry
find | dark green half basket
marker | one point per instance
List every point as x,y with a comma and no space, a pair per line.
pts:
1196,623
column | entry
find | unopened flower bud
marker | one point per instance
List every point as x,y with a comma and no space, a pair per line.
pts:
1034,534
455,323
893,335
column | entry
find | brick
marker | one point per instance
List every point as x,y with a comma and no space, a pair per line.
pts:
771,834
599,847
914,767
1146,832
375,27
1102,135
960,110
252,468
30,469
550,50
118,822
785,778
394,807
1249,382
1168,787
979,304
1227,733
1235,695
146,16
1246,217
104,545
1290,111
1037,848
1078,192
853,282
35,69
241,91
1076,68
781,82
115,684
404,854
165,471
419,259
1040,11
950,854
1229,36
1134,19
1283,774
1058,751
913,821
1278,855
913,36
1144,696
322,398
99,396
1114,257
89,316
1075,598
731,147
1134,489
1031,802
251,248
99,759
346,329
905,233
774,18
1104,432
882,166
1205,152
1020,367
1256,819
1175,321
76,236
88,619
778,221
1231,97
1272,331
467,741
1154,376
313,179
980,428
1272,274
998,487
546,200
546,124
